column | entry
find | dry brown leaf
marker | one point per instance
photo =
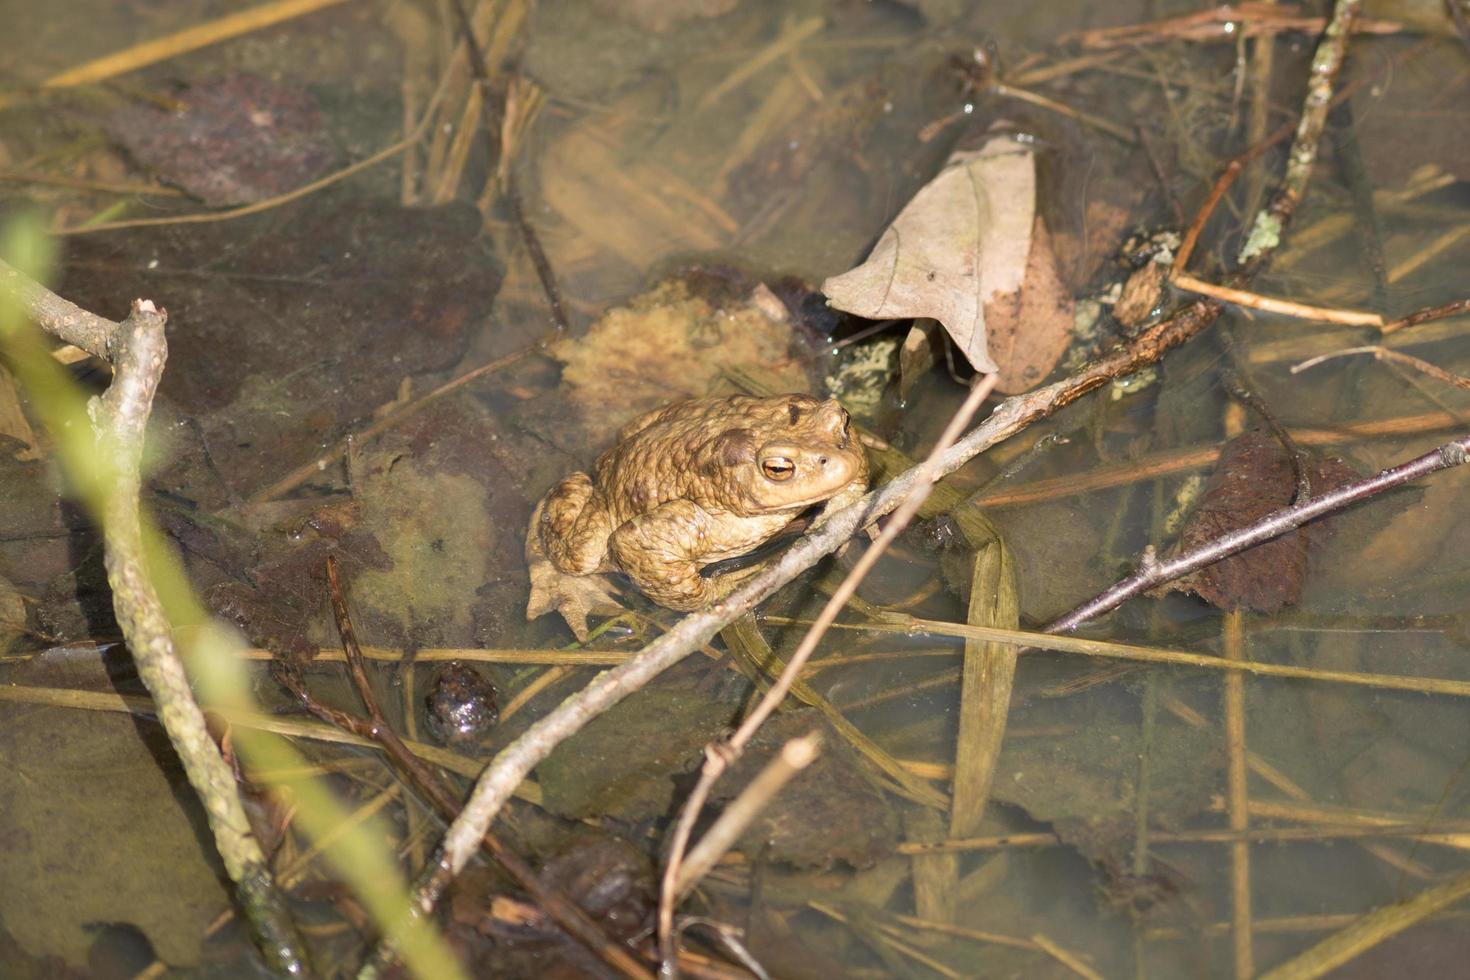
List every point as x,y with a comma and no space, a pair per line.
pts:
13,422
971,252
1030,328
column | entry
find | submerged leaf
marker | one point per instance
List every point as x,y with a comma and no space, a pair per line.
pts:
674,341
235,139
1253,478
287,326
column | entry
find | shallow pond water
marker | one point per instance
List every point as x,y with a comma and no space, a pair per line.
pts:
1142,817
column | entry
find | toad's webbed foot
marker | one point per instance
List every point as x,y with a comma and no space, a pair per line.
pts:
574,596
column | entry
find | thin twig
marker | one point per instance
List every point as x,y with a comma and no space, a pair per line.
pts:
1458,308
1121,133
1223,23
1270,222
1238,801
1030,641
794,756
181,42
1242,392
539,261
1271,304
1384,354
718,760
1154,465
1153,573
397,414
1372,929
204,217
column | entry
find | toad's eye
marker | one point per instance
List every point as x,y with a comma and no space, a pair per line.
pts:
795,413
778,468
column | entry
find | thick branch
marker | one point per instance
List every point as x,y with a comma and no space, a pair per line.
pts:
59,317
137,349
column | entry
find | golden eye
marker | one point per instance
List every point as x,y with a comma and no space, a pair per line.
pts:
778,468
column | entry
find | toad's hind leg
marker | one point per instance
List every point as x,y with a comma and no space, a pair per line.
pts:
573,527
657,551
575,595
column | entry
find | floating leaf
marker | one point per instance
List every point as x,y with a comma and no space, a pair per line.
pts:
970,251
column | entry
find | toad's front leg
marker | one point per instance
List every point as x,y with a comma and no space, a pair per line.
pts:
660,552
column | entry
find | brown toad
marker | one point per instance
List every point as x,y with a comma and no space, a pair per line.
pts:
686,486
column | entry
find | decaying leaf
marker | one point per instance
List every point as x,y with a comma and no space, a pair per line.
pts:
667,344
1253,478
1030,328
970,251
236,139
15,429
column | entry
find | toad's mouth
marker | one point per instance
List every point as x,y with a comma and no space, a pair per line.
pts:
801,504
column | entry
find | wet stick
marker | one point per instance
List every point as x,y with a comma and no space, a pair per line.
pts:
110,483
1370,930
181,42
